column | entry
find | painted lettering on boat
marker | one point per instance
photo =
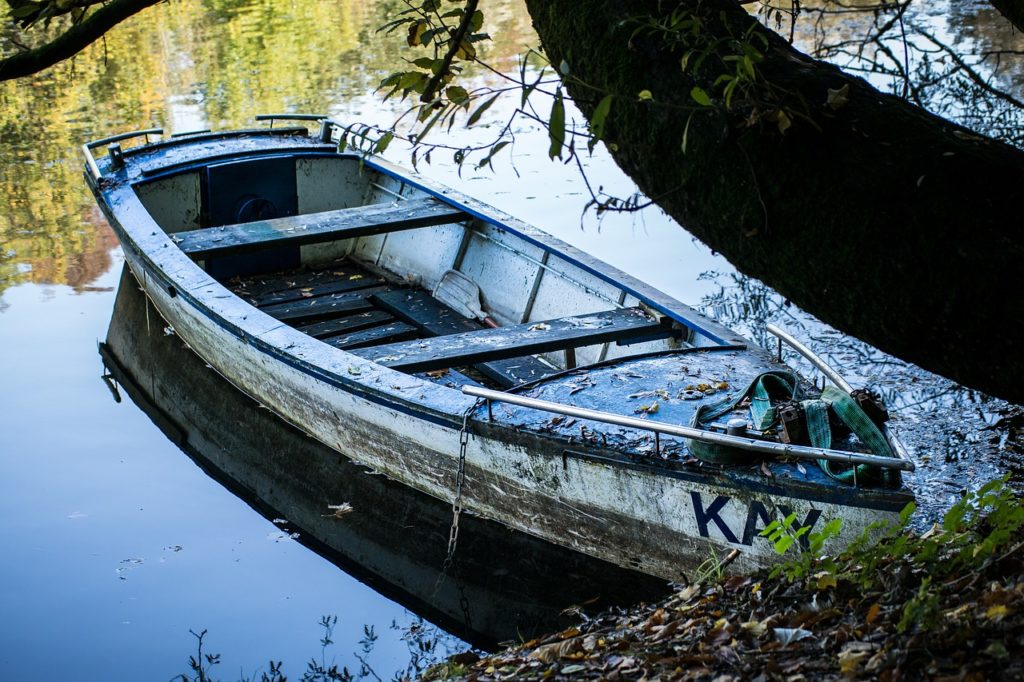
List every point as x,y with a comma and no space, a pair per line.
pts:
708,515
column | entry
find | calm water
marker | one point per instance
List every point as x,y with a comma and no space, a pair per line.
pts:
118,542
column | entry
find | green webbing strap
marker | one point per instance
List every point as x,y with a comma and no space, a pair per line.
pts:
783,386
761,409
818,430
851,414
759,391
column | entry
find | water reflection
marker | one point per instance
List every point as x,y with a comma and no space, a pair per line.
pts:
503,585
183,66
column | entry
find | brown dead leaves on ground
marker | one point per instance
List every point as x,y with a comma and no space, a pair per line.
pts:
818,627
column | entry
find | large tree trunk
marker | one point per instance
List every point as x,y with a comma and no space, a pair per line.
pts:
887,222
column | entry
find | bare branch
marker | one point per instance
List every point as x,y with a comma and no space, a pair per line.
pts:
72,41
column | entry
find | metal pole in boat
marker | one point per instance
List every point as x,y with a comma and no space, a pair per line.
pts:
750,444
811,356
836,378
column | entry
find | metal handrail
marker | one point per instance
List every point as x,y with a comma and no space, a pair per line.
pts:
740,443
836,378
290,117
87,148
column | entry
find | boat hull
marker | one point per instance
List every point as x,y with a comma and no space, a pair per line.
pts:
663,525
661,519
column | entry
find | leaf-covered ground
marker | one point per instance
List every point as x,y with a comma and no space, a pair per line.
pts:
946,604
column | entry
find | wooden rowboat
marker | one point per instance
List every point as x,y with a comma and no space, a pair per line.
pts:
336,291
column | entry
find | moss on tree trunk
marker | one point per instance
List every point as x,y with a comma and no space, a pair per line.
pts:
887,222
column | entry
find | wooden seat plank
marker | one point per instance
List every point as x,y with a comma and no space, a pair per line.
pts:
312,228
434,318
486,345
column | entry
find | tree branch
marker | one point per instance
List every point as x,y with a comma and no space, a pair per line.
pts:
1012,10
453,48
72,41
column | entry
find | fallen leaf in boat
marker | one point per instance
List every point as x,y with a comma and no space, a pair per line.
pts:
339,510
641,394
539,327
437,373
661,393
352,277
765,470
352,369
647,409
722,386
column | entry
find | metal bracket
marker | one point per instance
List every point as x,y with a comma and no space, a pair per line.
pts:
90,161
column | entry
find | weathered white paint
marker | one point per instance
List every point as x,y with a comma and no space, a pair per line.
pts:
174,202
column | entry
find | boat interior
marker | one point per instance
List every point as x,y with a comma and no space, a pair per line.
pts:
373,265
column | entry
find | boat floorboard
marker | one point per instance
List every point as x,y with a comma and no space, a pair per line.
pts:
374,336
346,325
348,307
262,284
341,286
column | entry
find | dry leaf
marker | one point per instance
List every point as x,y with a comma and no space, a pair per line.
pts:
850,661
339,510
997,612
786,636
552,652
838,98
647,409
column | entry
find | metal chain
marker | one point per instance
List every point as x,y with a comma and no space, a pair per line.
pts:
460,480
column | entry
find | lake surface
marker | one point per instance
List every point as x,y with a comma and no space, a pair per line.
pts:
118,542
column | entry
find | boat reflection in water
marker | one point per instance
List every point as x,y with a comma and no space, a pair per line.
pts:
503,585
